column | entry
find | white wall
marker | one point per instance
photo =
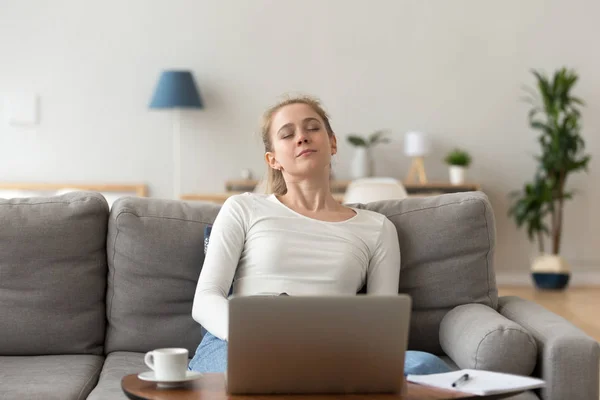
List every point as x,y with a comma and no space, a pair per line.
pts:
451,68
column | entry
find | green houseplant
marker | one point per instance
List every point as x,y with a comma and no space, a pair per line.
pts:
539,206
362,164
458,161
368,141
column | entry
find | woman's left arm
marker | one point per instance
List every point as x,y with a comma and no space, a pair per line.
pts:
383,274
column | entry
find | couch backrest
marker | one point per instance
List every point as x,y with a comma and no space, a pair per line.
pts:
155,254
447,248
53,274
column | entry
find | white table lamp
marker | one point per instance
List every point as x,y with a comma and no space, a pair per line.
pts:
416,145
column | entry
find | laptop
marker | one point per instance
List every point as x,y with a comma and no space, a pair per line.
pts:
317,344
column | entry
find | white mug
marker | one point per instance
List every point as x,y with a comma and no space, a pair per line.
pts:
168,364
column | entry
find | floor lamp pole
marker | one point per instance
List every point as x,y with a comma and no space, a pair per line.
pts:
176,153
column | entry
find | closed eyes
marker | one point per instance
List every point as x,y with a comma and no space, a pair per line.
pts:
311,124
310,129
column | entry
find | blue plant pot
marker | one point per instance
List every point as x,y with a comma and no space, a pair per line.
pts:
551,280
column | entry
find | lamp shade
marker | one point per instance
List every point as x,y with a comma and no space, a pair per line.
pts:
176,89
416,144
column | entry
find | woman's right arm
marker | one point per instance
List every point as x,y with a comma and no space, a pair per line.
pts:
227,237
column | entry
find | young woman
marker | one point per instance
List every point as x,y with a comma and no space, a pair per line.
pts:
297,240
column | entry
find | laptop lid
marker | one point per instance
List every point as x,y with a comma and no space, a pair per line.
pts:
317,344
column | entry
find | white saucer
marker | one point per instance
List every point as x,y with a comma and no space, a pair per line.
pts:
150,376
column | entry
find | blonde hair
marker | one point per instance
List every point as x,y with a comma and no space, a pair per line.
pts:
275,181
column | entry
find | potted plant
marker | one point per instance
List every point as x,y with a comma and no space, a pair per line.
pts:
362,164
458,160
539,206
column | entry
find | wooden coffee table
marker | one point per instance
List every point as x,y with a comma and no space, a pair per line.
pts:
212,387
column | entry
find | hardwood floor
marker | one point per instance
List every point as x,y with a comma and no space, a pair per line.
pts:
579,305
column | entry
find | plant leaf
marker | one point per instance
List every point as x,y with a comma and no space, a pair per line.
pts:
577,100
356,140
376,137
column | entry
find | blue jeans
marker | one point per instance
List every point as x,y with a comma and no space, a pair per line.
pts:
211,356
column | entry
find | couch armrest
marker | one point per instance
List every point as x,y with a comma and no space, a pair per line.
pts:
476,336
568,359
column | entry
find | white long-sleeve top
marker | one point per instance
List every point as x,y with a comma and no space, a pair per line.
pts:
264,247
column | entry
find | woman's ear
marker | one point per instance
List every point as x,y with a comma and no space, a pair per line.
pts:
333,141
272,161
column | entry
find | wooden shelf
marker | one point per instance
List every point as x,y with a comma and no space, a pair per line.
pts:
338,188
139,189
221,197
341,185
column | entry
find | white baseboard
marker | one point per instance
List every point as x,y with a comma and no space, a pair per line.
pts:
578,278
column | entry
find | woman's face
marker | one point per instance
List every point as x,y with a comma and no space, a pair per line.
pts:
301,144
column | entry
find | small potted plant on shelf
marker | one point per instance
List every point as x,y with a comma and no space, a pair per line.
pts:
362,163
458,161
539,206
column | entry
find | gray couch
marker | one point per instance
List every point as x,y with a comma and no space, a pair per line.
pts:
85,292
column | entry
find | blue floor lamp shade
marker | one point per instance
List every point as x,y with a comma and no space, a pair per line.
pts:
176,89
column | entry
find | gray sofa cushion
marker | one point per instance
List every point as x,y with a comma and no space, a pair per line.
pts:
48,377
478,337
116,366
155,254
53,274
447,244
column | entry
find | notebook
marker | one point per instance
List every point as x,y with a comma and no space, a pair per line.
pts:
480,382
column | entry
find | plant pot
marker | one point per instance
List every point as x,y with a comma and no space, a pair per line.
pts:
362,163
551,272
457,174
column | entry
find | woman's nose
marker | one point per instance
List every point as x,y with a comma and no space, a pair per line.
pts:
302,139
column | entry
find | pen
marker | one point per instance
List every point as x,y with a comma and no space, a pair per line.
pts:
463,378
